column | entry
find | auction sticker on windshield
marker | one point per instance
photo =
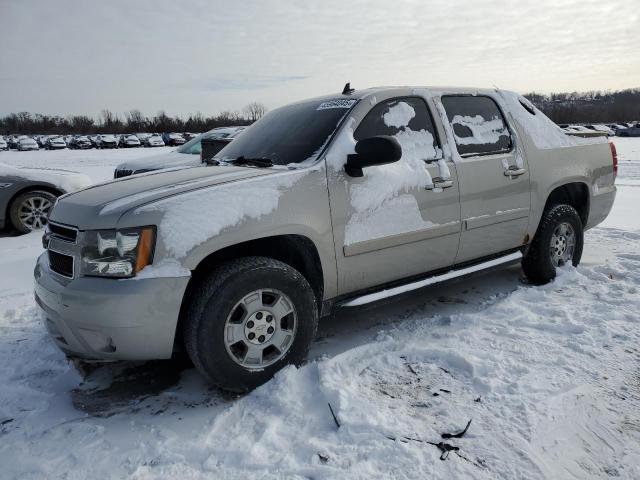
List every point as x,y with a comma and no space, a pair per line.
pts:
339,103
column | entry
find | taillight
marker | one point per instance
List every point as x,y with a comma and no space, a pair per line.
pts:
614,156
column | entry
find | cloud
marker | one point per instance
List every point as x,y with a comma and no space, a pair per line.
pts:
73,56
239,83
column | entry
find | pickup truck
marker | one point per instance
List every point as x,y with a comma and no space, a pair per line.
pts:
334,201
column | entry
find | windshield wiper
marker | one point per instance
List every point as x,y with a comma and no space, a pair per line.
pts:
261,162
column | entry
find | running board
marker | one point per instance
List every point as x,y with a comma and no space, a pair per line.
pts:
373,297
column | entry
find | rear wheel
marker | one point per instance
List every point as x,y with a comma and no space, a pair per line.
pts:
558,242
29,210
248,319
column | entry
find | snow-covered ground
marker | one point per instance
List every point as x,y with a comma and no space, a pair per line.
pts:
98,164
547,375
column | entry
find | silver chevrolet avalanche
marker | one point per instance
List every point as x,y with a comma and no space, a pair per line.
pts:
335,201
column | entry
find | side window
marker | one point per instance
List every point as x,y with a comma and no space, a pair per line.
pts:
408,119
478,125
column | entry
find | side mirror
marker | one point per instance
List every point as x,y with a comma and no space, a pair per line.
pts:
378,150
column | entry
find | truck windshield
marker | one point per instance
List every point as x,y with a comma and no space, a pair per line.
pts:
290,134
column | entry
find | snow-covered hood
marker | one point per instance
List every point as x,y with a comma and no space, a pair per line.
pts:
164,160
100,206
64,180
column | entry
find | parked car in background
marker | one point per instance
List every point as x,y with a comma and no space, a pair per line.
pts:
632,131
189,136
129,141
55,143
81,142
154,140
173,139
337,200
26,144
601,128
581,131
3,144
142,137
27,194
185,155
42,140
106,141
14,140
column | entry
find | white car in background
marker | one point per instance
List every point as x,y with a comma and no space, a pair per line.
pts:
55,143
129,141
154,140
26,144
601,128
3,144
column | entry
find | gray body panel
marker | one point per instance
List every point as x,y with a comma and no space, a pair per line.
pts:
13,185
199,211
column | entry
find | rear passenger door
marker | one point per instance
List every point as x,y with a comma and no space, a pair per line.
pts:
493,175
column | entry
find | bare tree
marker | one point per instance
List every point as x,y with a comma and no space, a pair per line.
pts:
135,120
254,111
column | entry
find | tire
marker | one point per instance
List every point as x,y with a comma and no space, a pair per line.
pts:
542,258
219,306
37,203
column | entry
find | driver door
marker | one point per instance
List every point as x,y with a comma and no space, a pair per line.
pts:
397,220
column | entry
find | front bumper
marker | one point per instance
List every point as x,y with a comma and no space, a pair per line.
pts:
108,319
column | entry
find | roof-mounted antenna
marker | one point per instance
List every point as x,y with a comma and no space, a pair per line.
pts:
347,90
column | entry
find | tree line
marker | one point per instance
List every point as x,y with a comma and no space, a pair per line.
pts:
590,107
132,121
566,107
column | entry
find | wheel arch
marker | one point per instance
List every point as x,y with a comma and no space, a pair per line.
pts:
297,251
575,194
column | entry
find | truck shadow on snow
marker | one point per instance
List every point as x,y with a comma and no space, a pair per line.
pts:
171,386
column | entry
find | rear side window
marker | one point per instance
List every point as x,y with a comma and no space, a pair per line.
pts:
408,119
478,125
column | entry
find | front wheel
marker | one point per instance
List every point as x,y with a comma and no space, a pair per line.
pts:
249,318
558,242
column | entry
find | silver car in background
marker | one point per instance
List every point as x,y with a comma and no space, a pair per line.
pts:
183,156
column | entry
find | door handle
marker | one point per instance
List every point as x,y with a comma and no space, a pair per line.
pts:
514,171
439,182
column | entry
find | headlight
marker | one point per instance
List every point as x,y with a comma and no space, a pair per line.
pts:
116,253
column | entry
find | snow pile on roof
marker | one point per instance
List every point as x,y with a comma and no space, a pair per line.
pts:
483,131
543,132
64,180
194,217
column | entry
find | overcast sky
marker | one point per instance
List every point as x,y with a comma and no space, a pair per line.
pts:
78,57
